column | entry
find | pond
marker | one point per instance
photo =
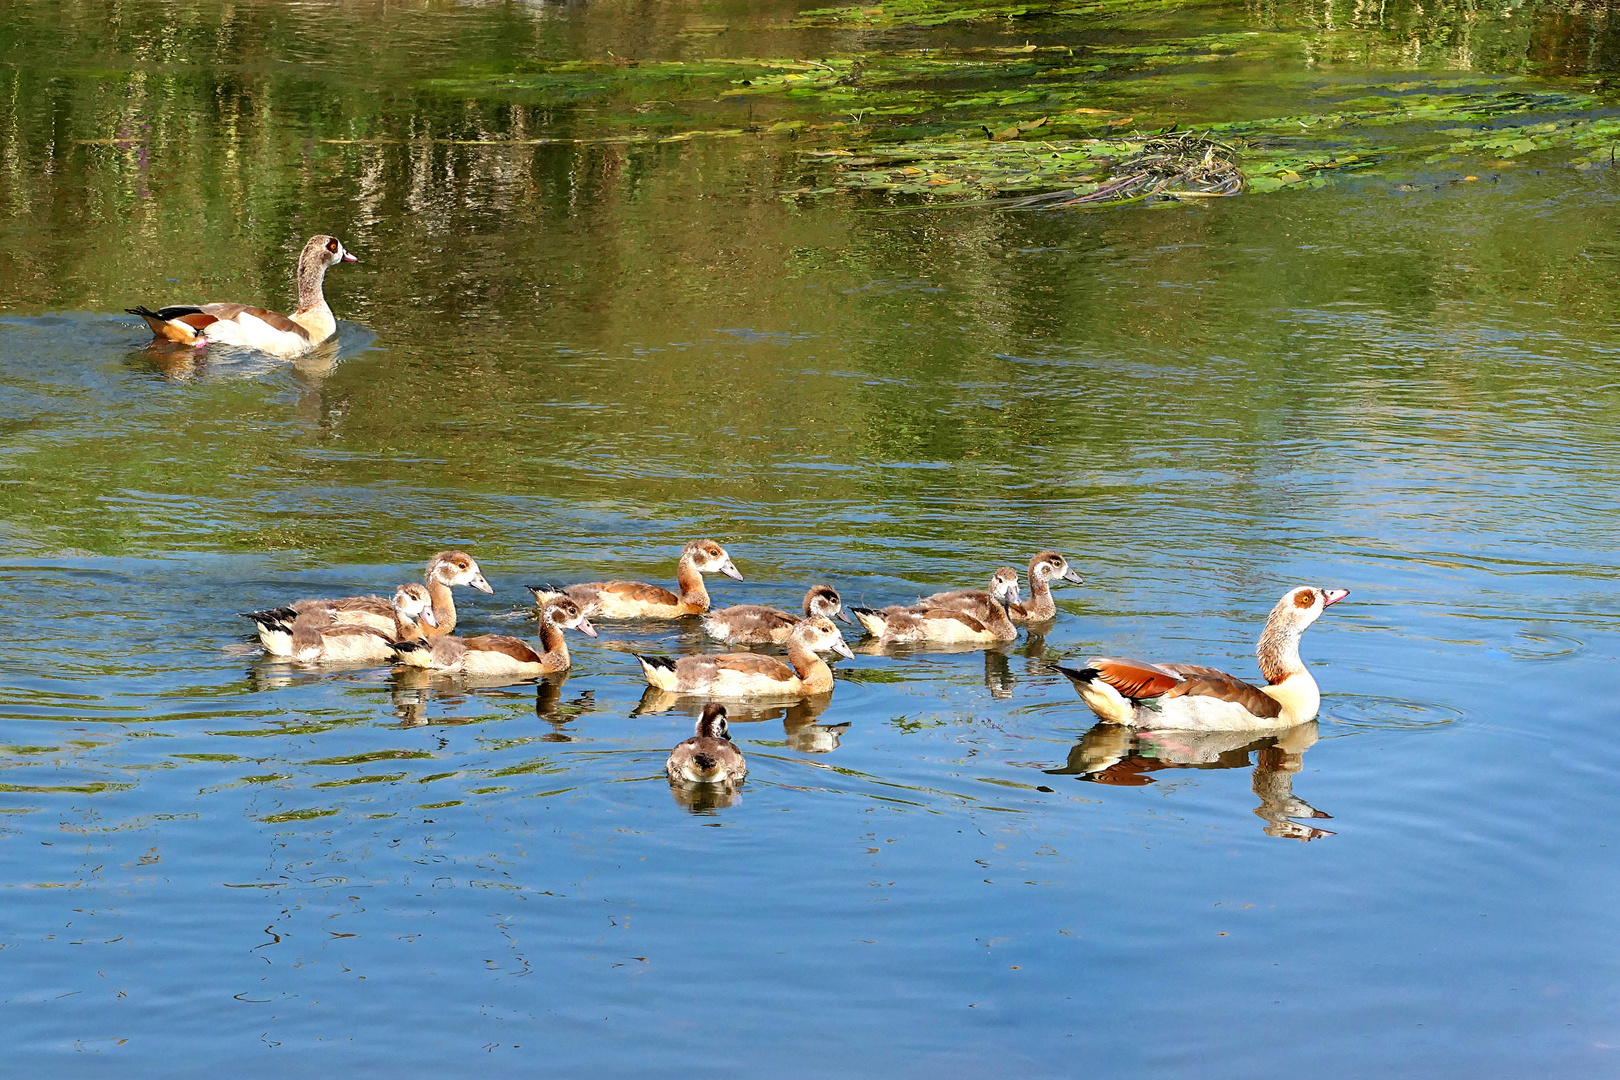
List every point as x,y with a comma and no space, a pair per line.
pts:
604,307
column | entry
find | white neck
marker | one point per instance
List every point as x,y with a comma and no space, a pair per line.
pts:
318,320
1278,651
1298,695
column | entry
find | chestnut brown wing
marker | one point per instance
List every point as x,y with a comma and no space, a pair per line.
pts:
955,613
1135,679
769,667
756,617
639,592
1218,684
510,646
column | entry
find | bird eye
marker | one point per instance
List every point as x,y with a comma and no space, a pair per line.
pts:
1304,598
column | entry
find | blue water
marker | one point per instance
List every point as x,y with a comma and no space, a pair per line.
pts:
211,860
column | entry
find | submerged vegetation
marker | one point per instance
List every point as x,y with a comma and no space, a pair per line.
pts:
1077,113
913,101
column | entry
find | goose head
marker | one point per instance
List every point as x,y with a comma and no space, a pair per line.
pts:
818,634
1050,566
1301,606
824,600
564,612
1004,586
1278,649
323,251
414,604
712,724
457,568
708,557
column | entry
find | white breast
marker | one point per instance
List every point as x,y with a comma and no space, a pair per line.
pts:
251,332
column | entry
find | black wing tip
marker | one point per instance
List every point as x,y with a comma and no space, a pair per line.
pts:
274,617
407,646
656,661
1080,675
864,610
704,761
164,314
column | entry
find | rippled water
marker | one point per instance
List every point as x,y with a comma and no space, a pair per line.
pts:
569,360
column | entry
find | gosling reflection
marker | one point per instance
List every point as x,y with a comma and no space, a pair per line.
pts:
798,717
808,737
704,798
550,707
414,689
1123,757
998,673
277,673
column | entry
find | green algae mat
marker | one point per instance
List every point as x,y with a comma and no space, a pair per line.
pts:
1115,101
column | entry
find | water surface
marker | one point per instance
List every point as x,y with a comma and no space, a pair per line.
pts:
569,358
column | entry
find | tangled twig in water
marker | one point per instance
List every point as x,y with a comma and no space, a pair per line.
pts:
1173,166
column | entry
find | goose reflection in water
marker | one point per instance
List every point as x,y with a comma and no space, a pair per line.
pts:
1122,756
173,362
798,717
998,674
550,707
413,689
705,798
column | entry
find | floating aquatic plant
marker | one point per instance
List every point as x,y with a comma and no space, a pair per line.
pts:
1075,116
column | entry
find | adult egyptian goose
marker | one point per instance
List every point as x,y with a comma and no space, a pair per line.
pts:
963,616
444,571
638,600
311,641
708,757
746,675
1044,568
494,654
253,327
1170,697
756,624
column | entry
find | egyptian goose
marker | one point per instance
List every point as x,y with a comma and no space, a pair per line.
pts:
745,675
444,570
638,600
756,624
709,756
1044,568
964,616
311,642
256,328
1002,594
493,654
1170,697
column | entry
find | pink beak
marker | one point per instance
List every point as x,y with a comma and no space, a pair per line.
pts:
349,258
1333,596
